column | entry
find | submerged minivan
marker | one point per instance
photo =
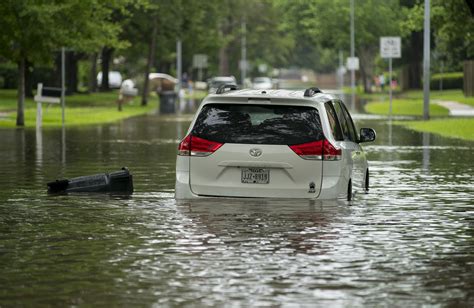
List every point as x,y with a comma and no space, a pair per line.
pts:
272,144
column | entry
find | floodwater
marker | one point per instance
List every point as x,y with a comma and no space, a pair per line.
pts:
409,242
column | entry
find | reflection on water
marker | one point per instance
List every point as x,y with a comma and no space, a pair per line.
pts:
406,243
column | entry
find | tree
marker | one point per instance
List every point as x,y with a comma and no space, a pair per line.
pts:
453,26
33,29
453,32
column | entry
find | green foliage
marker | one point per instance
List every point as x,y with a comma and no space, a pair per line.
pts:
322,27
449,80
8,74
280,33
8,100
32,29
452,128
448,75
453,30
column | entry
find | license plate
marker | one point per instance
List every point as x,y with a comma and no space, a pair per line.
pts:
255,176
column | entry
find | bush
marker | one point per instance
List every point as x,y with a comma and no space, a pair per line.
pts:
450,81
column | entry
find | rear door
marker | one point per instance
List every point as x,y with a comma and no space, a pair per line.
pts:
360,162
257,157
349,144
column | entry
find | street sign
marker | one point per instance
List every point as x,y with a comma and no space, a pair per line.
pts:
390,47
352,63
200,61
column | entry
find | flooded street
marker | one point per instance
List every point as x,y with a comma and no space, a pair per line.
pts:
409,242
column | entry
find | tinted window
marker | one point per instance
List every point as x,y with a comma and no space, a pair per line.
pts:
333,122
258,124
350,123
342,120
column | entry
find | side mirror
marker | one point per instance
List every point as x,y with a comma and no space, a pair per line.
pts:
367,135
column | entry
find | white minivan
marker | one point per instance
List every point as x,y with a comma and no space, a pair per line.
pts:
272,144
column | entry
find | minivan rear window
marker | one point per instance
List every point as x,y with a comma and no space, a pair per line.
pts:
258,124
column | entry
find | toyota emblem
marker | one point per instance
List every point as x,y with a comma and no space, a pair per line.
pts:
255,152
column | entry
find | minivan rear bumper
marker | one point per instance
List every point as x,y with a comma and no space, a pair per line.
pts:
332,188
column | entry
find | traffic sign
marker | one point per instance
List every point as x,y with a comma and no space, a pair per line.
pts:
390,47
200,61
352,63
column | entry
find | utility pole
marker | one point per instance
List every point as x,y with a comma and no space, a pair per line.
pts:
352,55
243,62
178,64
426,63
63,83
340,71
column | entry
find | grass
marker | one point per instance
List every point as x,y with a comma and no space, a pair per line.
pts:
8,100
81,109
405,107
461,128
411,102
446,95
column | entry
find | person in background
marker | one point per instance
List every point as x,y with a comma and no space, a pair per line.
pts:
382,81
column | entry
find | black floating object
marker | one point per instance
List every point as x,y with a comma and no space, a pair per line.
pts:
114,182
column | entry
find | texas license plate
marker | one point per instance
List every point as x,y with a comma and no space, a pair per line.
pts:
255,175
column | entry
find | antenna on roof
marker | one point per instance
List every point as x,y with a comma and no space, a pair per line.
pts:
310,92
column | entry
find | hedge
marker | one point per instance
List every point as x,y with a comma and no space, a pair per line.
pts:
450,81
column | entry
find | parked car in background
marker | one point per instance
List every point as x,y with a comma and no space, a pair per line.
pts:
272,144
215,82
115,79
262,83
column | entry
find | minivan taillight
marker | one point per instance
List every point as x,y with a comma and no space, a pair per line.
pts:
317,150
311,150
331,152
195,146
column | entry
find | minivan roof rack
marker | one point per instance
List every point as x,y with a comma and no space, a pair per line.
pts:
225,86
311,92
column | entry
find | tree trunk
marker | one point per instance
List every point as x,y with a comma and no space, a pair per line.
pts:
225,29
71,72
150,60
415,56
20,115
92,87
367,59
106,56
363,74
29,79
223,61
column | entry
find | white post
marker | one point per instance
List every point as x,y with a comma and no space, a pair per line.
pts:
39,111
244,53
426,62
390,84
178,64
63,83
39,115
